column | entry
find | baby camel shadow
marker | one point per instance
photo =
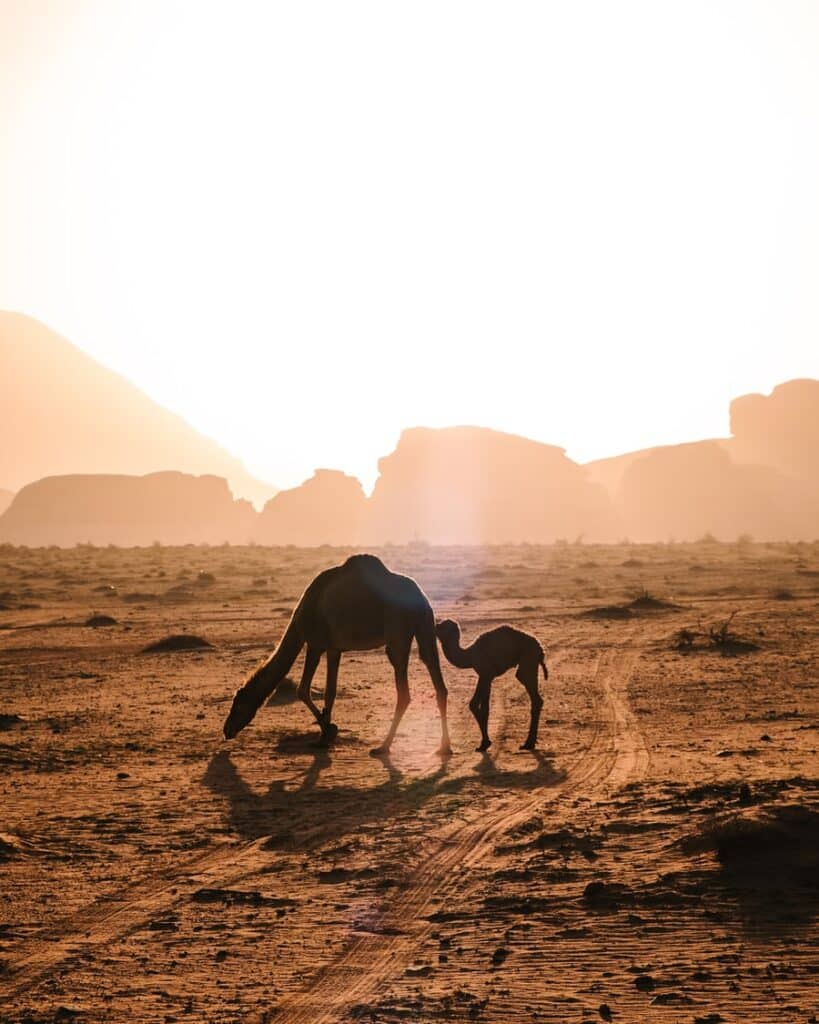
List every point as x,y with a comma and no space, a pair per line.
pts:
541,774
305,815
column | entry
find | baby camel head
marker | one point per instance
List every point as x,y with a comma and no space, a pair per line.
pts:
242,713
447,629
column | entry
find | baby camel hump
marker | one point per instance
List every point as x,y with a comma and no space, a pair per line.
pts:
506,647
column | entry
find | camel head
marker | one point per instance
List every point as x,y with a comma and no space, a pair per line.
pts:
447,629
242,713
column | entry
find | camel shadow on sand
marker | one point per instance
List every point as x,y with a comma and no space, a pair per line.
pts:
300,813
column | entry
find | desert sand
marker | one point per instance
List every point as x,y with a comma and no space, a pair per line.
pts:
655,859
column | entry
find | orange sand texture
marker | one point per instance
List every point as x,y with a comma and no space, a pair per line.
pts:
656,859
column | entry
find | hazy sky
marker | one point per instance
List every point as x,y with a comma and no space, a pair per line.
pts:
307,225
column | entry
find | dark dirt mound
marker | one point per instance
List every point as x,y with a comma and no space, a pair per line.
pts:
607,895
776,837
101,620
734,646
138,597
234,897
768,860
9,721
9,846
177,642
611,611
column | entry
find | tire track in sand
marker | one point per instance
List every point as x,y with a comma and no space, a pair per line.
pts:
616,754
613,753
119,915
132,908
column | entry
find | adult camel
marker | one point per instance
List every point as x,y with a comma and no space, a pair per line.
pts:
357,606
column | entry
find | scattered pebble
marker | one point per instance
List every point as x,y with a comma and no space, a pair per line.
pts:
500,954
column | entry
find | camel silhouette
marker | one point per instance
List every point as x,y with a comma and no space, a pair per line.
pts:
492,654
357,606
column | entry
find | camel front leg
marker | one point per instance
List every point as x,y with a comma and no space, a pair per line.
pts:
311,660
399,658
328,730
479,706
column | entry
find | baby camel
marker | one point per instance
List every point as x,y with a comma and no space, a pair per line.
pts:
492,654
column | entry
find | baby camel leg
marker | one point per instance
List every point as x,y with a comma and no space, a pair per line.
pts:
527,674
479,706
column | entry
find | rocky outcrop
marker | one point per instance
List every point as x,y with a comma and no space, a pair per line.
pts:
64,413
685,491
329,508
779,430
762,481
471,485
173,508
465,485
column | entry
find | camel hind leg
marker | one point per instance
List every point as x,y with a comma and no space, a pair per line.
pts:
428,650
329,731
398,651
527,673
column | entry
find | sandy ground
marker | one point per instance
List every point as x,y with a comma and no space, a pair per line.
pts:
656,859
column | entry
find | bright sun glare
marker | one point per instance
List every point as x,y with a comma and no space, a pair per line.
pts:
305,226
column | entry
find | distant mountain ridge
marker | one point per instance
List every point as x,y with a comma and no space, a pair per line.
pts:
68,414
451,485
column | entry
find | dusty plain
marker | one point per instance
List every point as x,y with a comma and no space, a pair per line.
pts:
656,859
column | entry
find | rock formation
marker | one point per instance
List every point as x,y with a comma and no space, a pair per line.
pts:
474,485
329,508
762,481
173,508
779,430
685,491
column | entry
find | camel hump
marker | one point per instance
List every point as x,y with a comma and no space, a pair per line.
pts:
365,562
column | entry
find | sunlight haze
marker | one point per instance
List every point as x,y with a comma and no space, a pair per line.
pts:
307,226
